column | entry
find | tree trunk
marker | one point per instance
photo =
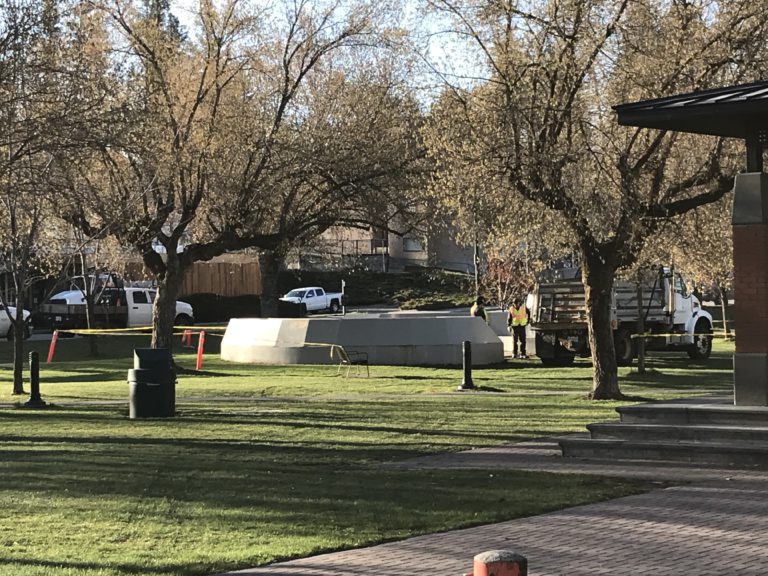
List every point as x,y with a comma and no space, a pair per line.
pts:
724,309
90,304
164,309
269,266
90,307
18,345
598,285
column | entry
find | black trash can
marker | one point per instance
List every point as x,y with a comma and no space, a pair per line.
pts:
152,384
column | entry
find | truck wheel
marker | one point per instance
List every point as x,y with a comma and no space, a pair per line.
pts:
624,346
553,355
183,320
702,341
334,307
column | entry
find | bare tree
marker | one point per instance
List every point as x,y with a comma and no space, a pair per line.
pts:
543,129
218,144
31,108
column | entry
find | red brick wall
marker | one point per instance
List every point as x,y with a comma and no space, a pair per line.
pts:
750,260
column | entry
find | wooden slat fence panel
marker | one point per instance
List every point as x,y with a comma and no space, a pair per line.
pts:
222,278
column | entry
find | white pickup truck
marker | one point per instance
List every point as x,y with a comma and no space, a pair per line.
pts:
115,308
315,299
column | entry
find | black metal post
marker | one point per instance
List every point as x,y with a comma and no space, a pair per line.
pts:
754,153
640,327
466,353
35,400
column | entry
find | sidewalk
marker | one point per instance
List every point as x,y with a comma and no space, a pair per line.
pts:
715,522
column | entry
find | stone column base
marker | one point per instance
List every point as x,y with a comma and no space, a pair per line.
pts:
750,379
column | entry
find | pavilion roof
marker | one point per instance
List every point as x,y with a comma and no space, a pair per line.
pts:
734,111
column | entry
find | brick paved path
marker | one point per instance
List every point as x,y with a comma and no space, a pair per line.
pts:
681,531
719,525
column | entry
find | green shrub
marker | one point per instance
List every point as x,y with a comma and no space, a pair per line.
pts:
421,288
215,308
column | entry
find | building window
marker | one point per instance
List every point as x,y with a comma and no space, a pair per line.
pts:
412,245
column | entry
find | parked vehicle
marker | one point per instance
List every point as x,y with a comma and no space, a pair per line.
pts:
115,307
559,318
6,326
315,299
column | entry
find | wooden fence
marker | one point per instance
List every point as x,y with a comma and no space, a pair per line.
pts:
222,278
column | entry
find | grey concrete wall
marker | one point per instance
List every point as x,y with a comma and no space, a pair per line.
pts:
414,340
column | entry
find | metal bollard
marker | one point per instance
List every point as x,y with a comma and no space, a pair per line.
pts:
466,353
499,563
35,401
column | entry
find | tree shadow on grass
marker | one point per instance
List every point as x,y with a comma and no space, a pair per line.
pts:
56,565
481,388
183,371
412,377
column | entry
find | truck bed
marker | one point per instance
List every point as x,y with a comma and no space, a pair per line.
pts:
560,304
63,316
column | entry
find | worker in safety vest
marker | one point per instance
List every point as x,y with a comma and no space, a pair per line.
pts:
517,320
478,309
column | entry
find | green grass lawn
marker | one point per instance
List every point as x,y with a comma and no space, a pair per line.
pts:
263,462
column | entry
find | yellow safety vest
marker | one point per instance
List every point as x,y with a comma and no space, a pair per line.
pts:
519,316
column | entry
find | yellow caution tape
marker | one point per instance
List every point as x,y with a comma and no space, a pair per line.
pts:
136,329
679,335
146,331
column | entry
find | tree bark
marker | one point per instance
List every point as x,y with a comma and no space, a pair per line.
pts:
18,344
597,277
164,309
269,267
90,304
90,307
724,309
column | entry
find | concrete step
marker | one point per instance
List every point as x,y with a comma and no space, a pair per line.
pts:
673,452
736,435
695,414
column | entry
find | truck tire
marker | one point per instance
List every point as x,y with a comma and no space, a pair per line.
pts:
335,307
554,356
624,346
183,320
702,341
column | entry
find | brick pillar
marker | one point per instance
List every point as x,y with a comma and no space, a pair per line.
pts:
750,260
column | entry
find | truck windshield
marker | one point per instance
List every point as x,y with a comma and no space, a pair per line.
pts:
296,294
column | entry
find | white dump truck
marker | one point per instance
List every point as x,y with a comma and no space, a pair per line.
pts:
559,318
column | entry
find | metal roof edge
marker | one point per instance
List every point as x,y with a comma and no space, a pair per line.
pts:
667,100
